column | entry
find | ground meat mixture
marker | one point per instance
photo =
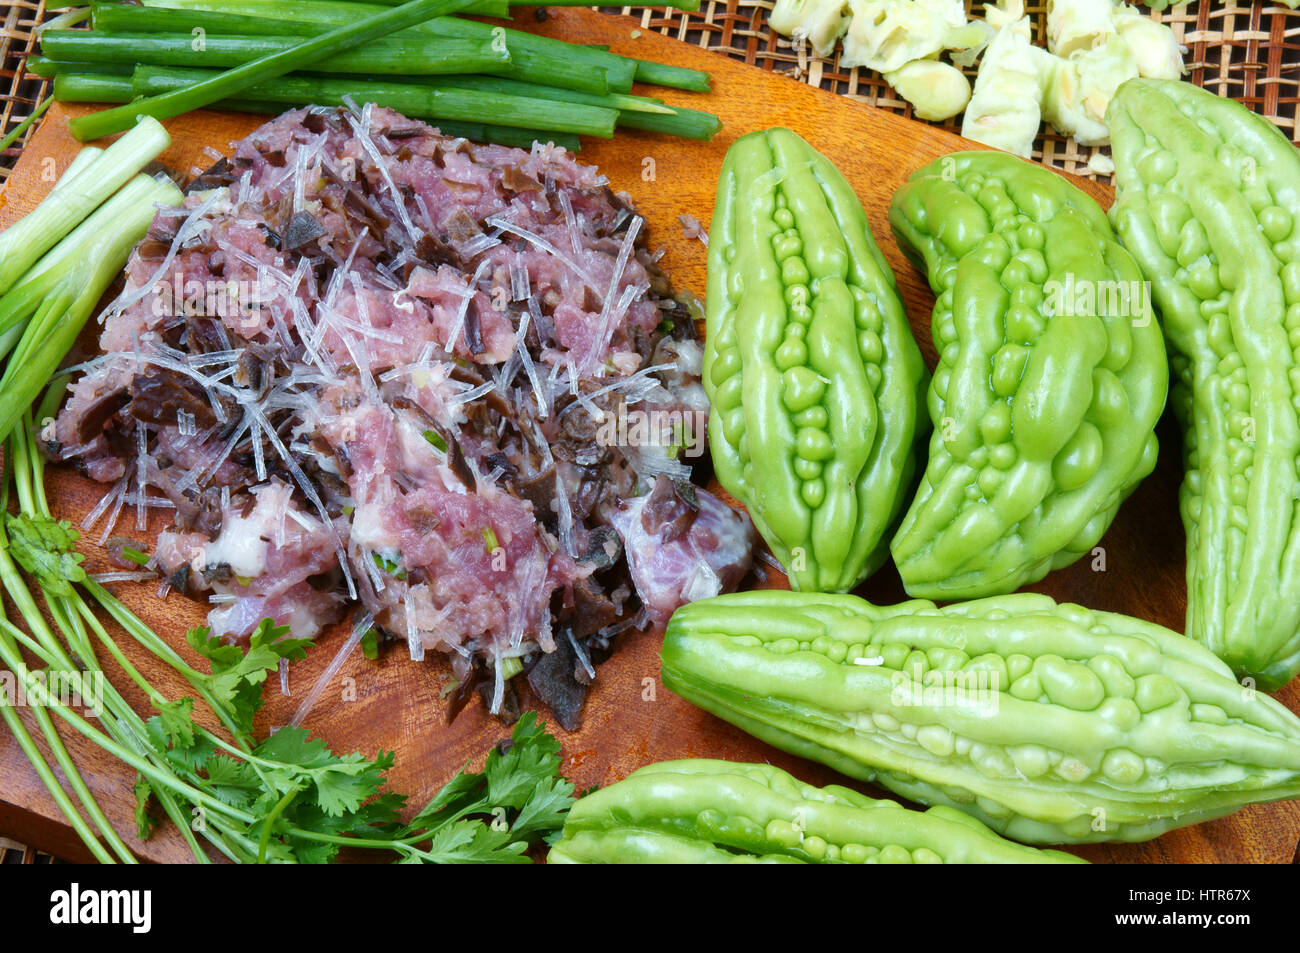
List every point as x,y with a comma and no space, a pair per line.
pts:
370,365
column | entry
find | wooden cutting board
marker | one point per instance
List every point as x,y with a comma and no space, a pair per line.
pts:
630,718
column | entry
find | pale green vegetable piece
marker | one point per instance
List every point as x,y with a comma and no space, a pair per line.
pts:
885,34
1005,110
936,90
820,22
1153,44
1101,164
966,57
1080,87
1079,90
1079,25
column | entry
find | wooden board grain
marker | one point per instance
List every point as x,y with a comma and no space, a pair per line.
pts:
630,719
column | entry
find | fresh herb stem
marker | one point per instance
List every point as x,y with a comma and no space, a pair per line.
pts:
74,778
48,68
52,740
15,664
271,818
61,799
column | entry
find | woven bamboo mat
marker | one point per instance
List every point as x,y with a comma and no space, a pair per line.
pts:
14,853
1250,52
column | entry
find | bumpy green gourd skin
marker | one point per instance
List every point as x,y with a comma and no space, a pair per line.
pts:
811,367
1050,723
1208,195
720,812
1049,383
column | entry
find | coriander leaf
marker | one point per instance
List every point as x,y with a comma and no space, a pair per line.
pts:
293,745
544,811
377,818
312,851
176,718
473,842
469,820
234,782
187,758
458,795
43,547
144,821
342,784
530,758
275,637
238,676
221,655
343,787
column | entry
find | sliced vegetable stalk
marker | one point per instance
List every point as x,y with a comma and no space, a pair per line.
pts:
268,67
621,71
73,87
634,112
109,88
677,77
417,101
57,296
76,197
385,56
545,62
47,68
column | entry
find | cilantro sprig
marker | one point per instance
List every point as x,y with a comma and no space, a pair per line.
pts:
238,676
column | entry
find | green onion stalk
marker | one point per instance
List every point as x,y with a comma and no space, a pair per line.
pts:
231,82
249,17
418,101
41,315
75,197
14,134
383,56
538,59
94,87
